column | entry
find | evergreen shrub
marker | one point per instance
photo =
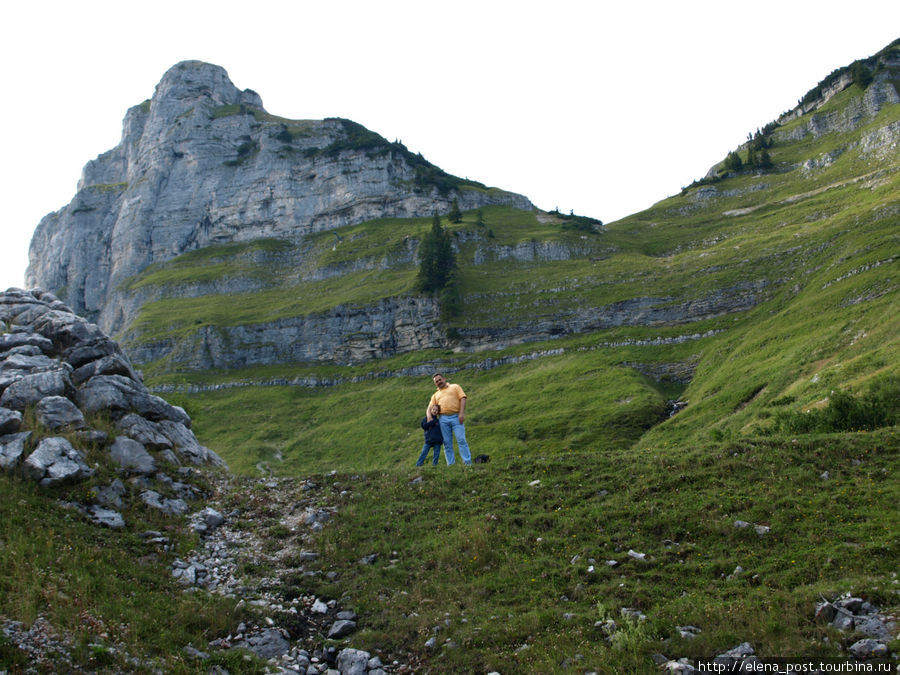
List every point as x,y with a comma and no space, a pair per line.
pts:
878,407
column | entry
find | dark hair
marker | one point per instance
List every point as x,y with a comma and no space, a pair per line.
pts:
436,374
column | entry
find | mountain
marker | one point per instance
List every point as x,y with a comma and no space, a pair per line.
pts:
202,163
692,417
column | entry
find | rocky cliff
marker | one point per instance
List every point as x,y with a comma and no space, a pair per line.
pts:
202,163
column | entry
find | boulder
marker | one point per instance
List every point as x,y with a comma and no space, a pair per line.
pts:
873,626
353,662
132,456
186,444
12,448
85,352
112,364
58,412
206,520
104,392
169,457
32,313
17,365
826,612
106,517
268,644
112,494
10,341
171,507
843,619
144,431
122,395
64,329
869,649
24,350
735,656
341,629
190,574
54,462
10,421
32,388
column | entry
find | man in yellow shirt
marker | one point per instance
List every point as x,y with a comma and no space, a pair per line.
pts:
452,400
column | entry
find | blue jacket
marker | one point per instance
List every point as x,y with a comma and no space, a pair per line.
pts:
433,435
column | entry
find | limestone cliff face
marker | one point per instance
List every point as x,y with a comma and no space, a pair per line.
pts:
884,66
203,163
342,335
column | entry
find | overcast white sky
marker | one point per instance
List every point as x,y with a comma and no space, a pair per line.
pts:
599,107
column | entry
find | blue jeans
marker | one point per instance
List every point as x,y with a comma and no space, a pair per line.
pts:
450,427
424,455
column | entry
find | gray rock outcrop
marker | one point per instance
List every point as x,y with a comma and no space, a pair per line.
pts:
132,456
10,420
55,462
12,449
72,375
58,413
342,335
203,163
267,644
169,506
862,110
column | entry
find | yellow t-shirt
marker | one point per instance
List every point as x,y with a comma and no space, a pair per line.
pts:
448,398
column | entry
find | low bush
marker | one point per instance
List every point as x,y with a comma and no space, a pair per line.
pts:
878,407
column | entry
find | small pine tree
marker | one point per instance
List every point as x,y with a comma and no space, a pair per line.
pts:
450,297
479,218
455,215
733,162
436,259
861,74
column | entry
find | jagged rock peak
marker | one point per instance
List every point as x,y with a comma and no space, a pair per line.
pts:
191,81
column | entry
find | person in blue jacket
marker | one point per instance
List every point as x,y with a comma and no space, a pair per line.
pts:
433,436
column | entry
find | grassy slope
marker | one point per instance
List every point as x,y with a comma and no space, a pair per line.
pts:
834,322
500,566
375,424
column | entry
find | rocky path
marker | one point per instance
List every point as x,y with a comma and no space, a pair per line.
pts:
258,547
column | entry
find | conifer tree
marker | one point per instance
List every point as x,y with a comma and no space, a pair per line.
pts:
436,259
861,74
733,162
455,215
